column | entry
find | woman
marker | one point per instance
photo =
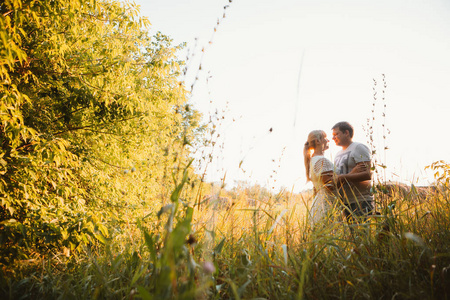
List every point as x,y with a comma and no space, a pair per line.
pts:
320,171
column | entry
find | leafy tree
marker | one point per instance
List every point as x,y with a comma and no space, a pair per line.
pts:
93,119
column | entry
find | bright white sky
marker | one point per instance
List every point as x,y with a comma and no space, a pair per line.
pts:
300,65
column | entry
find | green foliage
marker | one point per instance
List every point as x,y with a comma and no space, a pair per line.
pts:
90,105
150,259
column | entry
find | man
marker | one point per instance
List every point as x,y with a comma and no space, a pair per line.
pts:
354,187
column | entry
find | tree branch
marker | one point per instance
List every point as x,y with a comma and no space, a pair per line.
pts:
88,127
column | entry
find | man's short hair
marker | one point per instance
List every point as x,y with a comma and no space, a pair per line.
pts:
343,126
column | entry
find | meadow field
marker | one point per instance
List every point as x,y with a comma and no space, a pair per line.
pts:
263,249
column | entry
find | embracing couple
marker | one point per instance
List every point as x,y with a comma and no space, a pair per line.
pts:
346,183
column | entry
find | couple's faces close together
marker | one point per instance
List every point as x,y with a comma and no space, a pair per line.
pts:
340,138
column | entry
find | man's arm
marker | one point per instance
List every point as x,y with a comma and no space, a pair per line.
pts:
361,172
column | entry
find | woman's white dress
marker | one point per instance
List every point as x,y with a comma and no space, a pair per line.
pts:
324,199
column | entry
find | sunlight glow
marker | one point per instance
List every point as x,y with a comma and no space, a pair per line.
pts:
252,70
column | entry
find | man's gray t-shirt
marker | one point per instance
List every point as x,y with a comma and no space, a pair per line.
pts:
344,162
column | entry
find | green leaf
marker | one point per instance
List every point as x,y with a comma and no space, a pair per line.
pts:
182,229
144,294
149,241
218,248
100,238
137,274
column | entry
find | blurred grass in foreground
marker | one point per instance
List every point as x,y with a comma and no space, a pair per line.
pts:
261,248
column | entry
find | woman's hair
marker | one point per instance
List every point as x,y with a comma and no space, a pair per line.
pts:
314,137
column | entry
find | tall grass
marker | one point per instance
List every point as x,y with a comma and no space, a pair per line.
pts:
403,252
265,251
